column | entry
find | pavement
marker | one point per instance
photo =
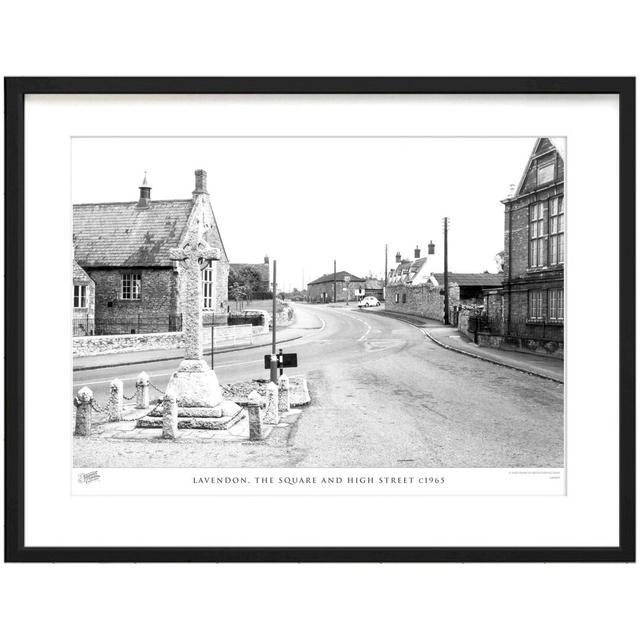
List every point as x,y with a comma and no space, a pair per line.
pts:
108,360
449,337
383,395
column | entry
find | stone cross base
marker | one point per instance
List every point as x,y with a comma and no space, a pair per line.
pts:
195,384
199,398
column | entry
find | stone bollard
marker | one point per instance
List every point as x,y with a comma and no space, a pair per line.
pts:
255,417
142,391
271,412
114,404
169,417
284,405
83,402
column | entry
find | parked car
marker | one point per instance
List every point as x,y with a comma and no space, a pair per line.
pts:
369,301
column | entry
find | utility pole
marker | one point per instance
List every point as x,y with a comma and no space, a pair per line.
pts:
334,282
386,270
446,270
274,358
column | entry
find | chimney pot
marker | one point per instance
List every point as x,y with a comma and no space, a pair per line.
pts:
432,247
416,252
201,182
398,257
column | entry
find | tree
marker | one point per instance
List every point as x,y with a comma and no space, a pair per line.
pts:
248,277
499,258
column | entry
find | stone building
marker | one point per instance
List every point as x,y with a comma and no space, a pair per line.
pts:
347,287
530,304
124,248
84,302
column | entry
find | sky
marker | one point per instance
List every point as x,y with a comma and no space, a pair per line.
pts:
308,201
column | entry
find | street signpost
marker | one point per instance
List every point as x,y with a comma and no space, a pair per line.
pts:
284,361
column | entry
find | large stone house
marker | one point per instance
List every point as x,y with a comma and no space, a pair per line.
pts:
124,249
339,287
529,307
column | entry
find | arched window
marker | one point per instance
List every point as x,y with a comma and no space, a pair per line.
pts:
207,286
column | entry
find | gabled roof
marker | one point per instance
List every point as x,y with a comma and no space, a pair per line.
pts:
541,147
407,270
79,273
471,279
339,277
121,234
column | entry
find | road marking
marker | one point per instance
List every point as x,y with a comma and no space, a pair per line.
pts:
366,333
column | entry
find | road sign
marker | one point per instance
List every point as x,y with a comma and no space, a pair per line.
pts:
284,360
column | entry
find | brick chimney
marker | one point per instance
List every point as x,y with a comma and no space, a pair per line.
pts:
432,248
416,252
266,259
201,183
145,193
398,258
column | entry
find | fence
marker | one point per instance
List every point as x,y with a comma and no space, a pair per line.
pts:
137,323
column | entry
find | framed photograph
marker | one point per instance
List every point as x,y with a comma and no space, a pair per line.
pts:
320,319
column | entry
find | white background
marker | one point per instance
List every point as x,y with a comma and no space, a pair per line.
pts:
398,38
587,516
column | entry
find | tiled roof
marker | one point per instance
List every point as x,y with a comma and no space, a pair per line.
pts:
472,279
340,275
120,234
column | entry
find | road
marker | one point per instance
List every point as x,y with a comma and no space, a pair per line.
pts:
383,395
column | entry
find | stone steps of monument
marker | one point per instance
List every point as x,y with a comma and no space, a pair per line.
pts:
191,422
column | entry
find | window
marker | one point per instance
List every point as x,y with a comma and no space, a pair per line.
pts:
545,173
207,286
535,305
397,298
556,305
537,241
131,286
556,230
404,298
79,296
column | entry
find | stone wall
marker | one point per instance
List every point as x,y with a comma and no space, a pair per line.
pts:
158,300
128,343
421,300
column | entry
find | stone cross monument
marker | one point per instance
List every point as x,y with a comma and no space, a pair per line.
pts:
194,257
195,385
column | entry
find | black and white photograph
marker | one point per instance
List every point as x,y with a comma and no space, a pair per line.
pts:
319,302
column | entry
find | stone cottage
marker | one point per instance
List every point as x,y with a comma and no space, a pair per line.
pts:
124,248
323,289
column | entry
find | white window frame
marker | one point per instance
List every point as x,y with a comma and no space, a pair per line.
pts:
80,295
130,286
556,304
534,305
556,230
207,287
537,237
541,167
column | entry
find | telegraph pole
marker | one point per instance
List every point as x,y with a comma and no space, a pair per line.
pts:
386,270
446,270
274,358
334,282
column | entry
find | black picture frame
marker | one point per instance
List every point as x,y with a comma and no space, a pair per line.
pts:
15,91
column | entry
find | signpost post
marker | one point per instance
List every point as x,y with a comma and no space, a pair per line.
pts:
274,358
